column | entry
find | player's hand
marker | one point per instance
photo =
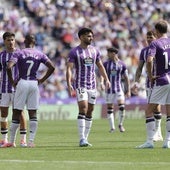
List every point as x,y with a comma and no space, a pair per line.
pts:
71,90
102,86
107,84
153,78
135,88
14,84
128,94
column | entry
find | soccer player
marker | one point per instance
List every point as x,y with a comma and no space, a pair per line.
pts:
159,57
116,70
84,58
7,91
27,91
150,36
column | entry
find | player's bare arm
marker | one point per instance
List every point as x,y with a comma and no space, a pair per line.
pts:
127,82
139,71
9,72
103,74
149,66
69,77
137,77
50,70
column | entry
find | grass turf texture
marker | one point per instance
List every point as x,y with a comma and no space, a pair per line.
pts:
57,148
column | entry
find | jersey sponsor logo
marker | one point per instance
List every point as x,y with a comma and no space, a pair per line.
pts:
88,61
113,72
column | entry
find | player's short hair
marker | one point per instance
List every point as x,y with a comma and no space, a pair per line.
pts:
30,39
151,33
8,34
83,31
162,26
113,49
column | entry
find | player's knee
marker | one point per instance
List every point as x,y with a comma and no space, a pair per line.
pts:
33,118
121,107
3,119
157,115
109,110
23,131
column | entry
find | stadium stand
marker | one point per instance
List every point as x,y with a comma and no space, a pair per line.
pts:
122,23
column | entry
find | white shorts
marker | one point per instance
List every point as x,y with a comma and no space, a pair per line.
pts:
111,97
160,95
27,93
6,99
85,94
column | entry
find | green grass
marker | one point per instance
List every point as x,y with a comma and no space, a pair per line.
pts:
57,148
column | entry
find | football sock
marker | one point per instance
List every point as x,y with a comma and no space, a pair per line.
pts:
4,133
110,117
13,130
23,134
158,117
81,125
121,116
33,123
88,124
167,137
150,128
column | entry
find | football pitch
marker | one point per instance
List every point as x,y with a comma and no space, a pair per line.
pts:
57,148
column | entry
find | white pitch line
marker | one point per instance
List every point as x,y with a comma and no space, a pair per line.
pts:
86,162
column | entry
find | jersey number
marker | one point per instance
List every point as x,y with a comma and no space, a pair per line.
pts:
166,60
31,63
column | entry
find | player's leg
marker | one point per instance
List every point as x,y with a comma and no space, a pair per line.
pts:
88,119
4,106
158,117
167,135
109,98
88,122
159,94
33,126
82,105
82,98
14,125
121,104
110,117
150,122
18,105
32,105
4,125
23,130
121,115
19,101
150,127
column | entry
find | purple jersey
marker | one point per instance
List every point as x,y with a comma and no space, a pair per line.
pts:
115,71
28,61
5,86
84,61
143,57
160,49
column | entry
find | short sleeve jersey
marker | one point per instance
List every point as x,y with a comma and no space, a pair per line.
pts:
28,61
84,62
160,49
143,57
115,71
5,86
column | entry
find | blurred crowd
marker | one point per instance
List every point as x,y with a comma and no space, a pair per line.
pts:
122,23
